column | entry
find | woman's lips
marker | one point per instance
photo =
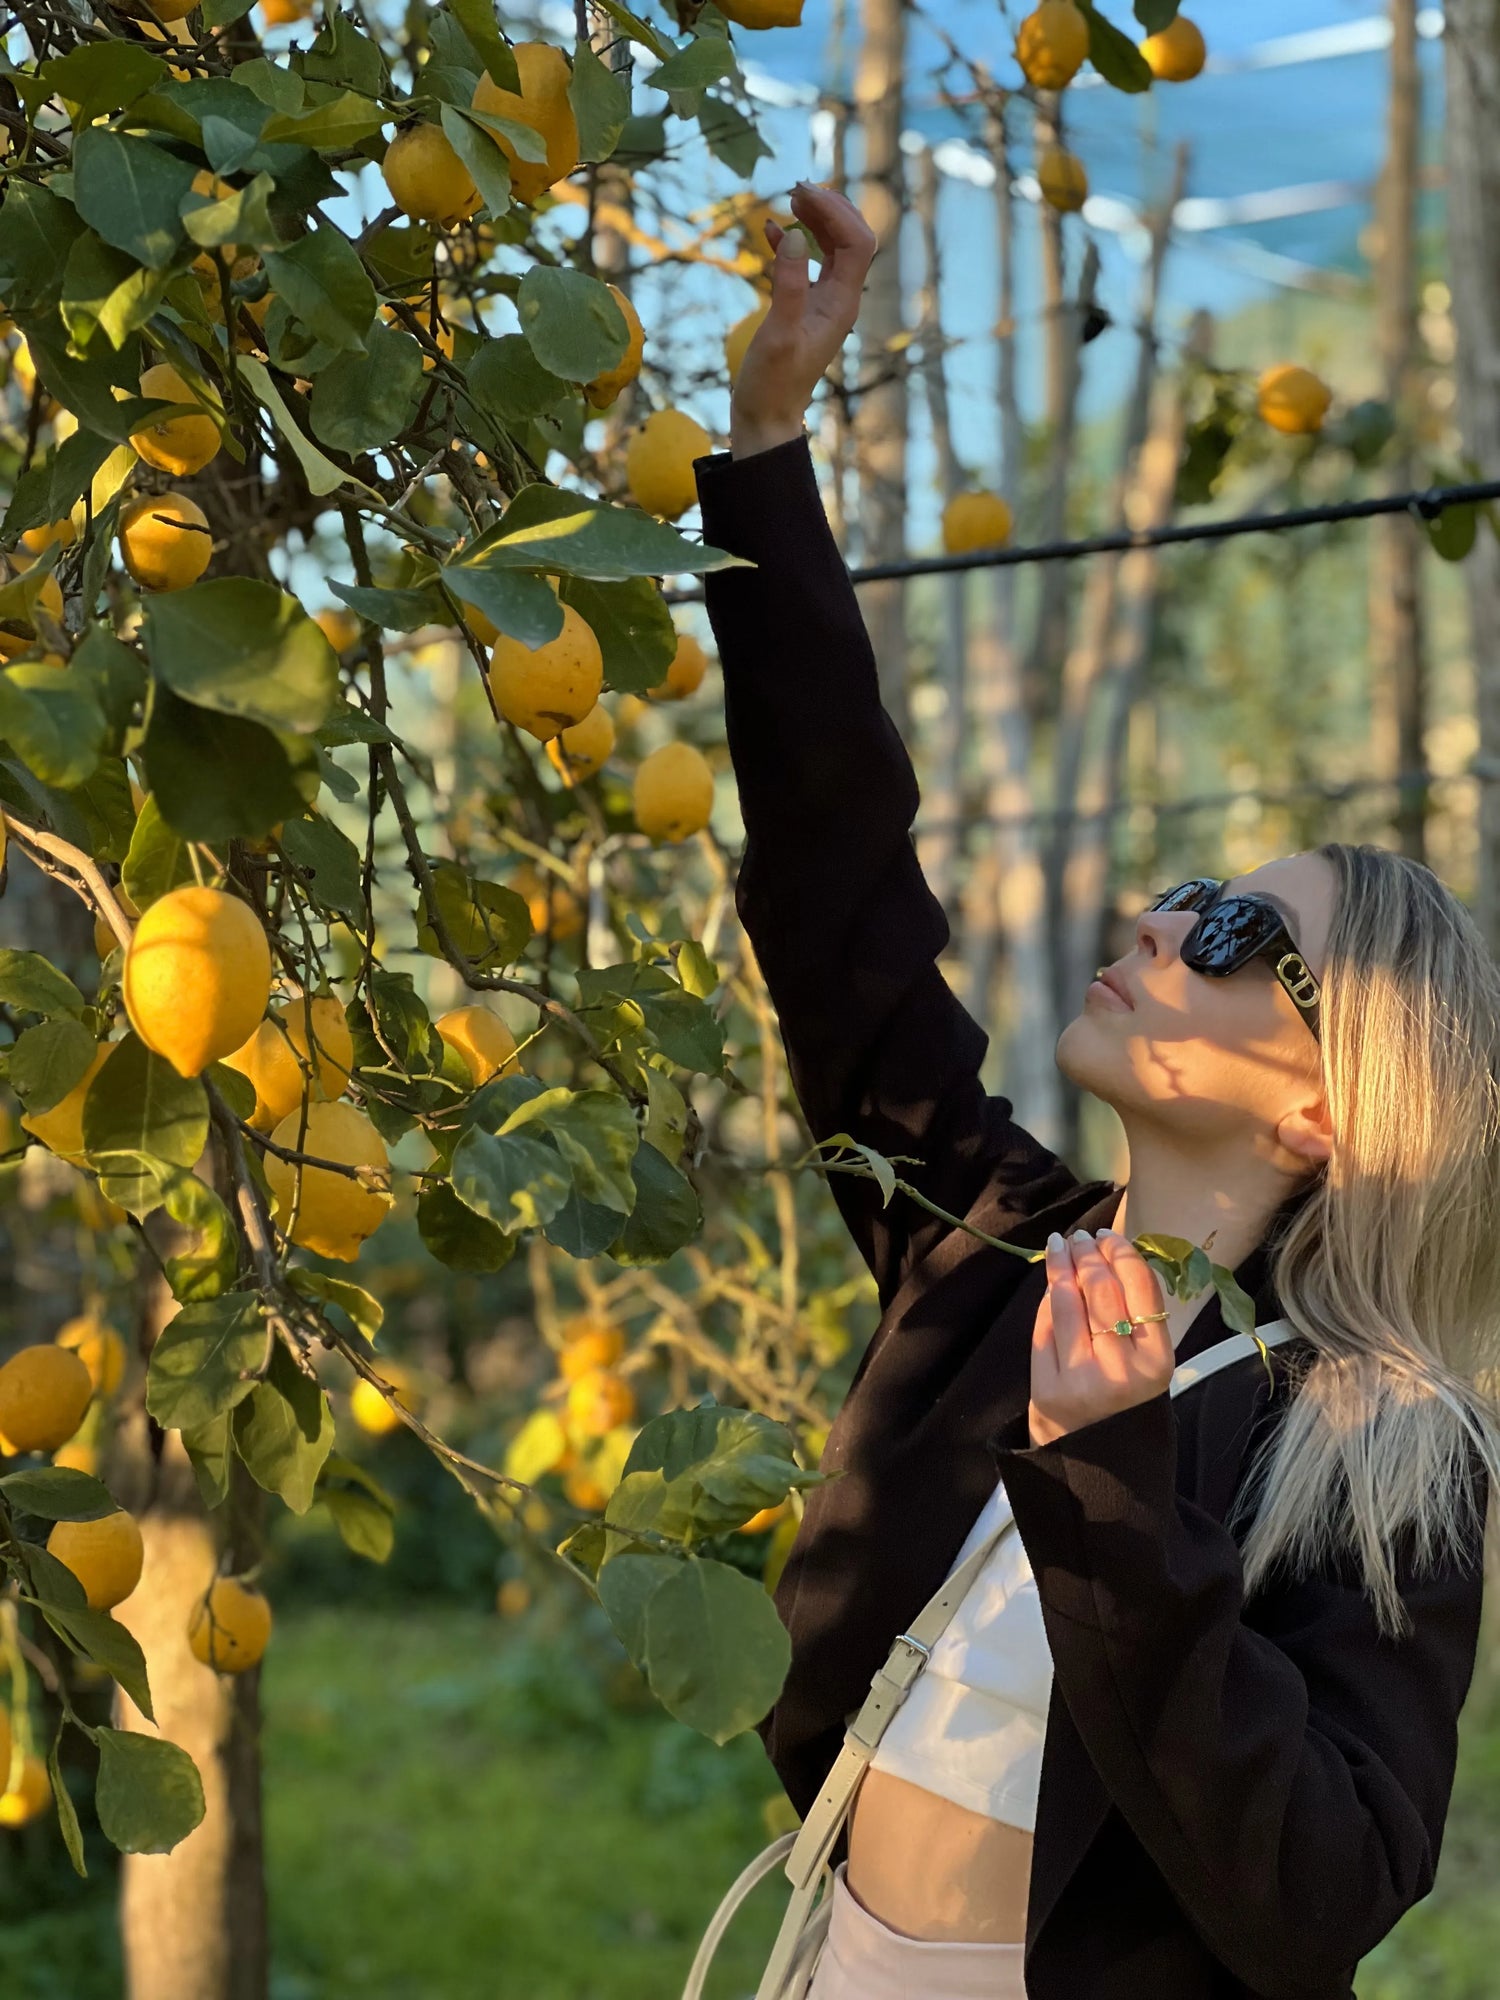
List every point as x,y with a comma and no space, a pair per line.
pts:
1112,988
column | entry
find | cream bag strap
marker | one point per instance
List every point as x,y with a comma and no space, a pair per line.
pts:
806,1853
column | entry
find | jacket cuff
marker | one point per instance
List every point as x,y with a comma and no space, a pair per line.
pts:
1087,1497
752,505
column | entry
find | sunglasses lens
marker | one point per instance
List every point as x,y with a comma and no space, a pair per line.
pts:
1229,935
1195,895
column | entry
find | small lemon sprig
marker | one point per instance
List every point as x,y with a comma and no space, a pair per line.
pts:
1185,1269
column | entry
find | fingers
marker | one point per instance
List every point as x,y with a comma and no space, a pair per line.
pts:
1070,1319
844,237
1142,1293
789,277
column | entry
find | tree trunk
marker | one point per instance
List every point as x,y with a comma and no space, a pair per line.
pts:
939,845
1397,640
192,1922
1472,61
880,420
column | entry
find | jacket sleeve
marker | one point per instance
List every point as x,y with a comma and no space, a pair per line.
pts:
1286,1766
830,892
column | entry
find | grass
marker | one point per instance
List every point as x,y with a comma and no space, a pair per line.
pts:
454,1808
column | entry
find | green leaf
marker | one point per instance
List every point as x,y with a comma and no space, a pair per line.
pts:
1156,15
87,387
633,625
139,1114
515,1182
697,971
477,19
359,1306
575,326
96,1636
1235,1304
102,284
694,1474
367,1528
330,863
627,1583
581,1228
242,218
324,283
544,528
202,1359
37,230
396,610
507,381
363,401
243,647
322,475
716,1652
58,1493
340,54
159,860
115,675
667,1214
52,721
102,76
62,1798
458,1237
210,1451
1114,55
596,1133
206,1267
880,1167
131,190
731,136
216,778
284,1431
334,127
600,97
538,1447
490,924
515,601
49,1061
1452,533
32,985
149,1796
281,89
476,146
52,486
701,62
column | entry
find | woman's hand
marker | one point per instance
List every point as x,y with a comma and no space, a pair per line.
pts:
808,323
1081,1369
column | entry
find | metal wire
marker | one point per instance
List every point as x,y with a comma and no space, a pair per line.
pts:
1426,503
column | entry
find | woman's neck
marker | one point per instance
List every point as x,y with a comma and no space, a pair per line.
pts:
1226,1204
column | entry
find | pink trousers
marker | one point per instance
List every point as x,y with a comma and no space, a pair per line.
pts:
863,1960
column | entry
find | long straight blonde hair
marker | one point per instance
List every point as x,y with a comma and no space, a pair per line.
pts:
1391,1266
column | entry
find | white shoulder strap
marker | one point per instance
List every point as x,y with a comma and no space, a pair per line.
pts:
1238,1347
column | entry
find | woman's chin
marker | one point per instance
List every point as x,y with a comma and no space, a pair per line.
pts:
1090,1057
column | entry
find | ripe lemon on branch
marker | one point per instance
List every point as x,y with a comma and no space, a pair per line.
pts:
106,1556
762,13
1178,53
737,340
61,1129
230,1627
98,1347
330,1212
481,1038
674,792
685,675
426,178
197,977
178,445
372,1411
543,104
604,388
1052,44
306,1042
597,1402
547,689
44,1391
1292,399
165,541
32,1795
579,752
659,462
975,521
1063,179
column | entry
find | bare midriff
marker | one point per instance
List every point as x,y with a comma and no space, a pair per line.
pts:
933,1870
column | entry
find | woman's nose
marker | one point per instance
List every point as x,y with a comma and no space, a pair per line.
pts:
1159,933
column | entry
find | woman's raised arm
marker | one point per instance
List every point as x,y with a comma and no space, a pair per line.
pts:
845,927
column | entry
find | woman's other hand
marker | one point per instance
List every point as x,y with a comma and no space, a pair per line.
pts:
1081,1370
809,321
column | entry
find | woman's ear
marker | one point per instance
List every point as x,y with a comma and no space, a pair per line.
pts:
1306,1131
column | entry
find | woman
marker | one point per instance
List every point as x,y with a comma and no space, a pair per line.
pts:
1258,1606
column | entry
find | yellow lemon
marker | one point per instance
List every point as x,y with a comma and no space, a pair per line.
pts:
105,940
282,13
674,792
513,1598
604,388
426,178
178,445
334,1212
579,751
659,463
766,1518
598,1401
278,1058
544,105
762,13
339,625
485,630
33,1794
372,1411
739,337
1178,53
546,689
1052,44
483,1040
197,977
99,1348
554,909
1063,179
230,1627
61,1128
77,1455
44,1391
975,521
165,541
597,1347
583,1491
38,540
685,675
1291,398
106,1556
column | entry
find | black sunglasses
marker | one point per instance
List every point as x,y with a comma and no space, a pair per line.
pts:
1235,931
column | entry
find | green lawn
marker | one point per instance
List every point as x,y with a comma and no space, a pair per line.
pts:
455,1810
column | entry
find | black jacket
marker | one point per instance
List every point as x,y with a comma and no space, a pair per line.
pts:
1237,1797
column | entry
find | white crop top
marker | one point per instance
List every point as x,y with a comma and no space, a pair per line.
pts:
972,1728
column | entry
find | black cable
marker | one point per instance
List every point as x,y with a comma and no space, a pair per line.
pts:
1427,504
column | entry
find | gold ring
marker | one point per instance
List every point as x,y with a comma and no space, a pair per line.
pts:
1125,1328
1150,1319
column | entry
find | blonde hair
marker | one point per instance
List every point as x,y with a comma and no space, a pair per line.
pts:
1391,1266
